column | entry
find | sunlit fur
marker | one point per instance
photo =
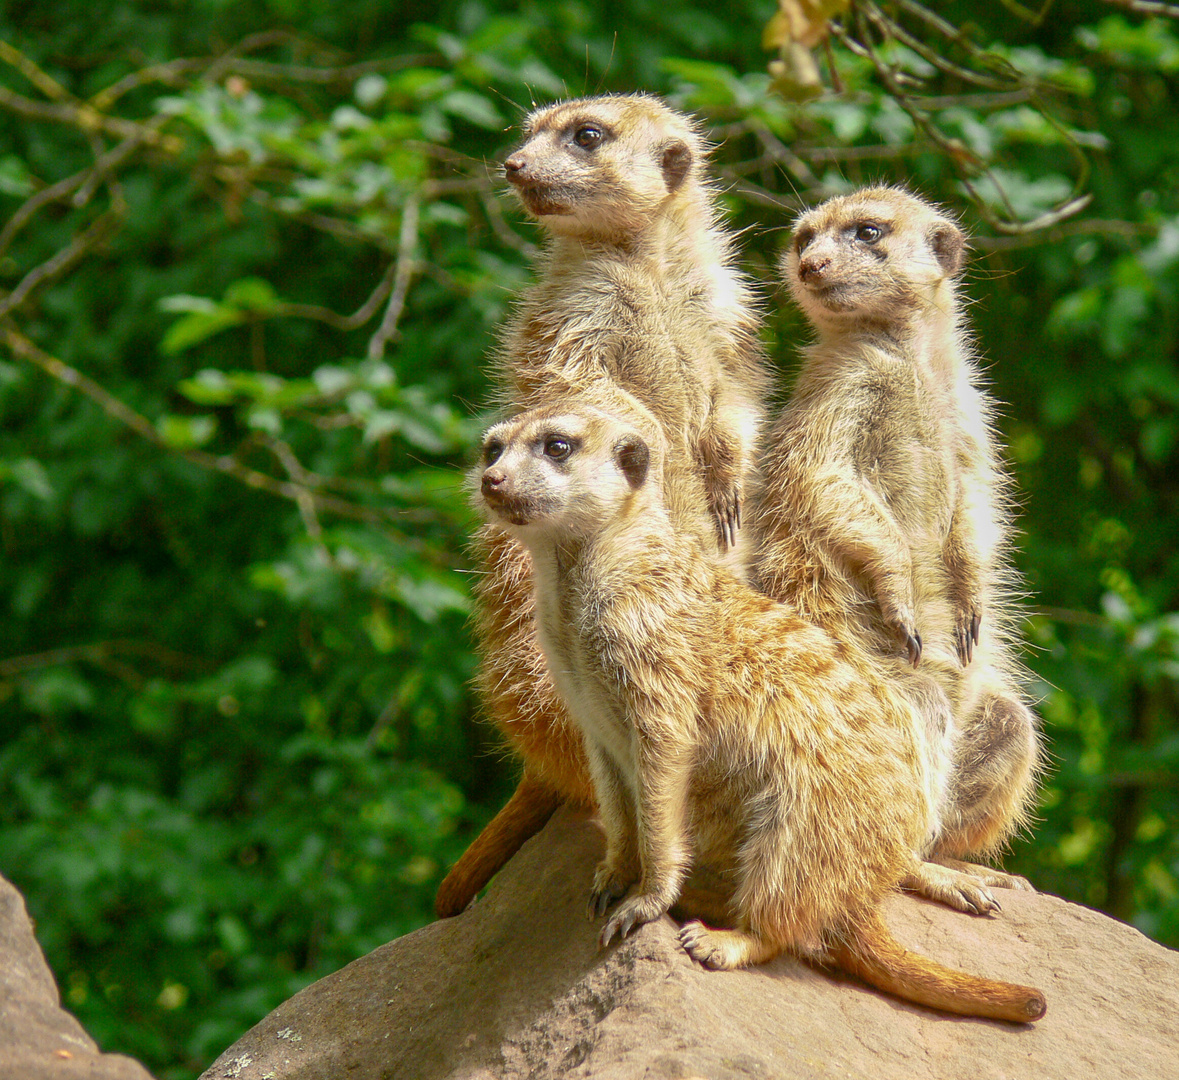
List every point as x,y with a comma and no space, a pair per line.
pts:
721,729
636,291
886,513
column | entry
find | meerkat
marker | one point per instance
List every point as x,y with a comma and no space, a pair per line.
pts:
636,292
719,727
885,514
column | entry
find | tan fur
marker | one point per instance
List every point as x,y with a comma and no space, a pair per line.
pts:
886,515
720,727
636,292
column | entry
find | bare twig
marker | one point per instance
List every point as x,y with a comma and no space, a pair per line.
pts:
1035,18
337,227
99,653
499,225
48,86
344,322
1064,230
87,118
1147,7
21,346
784,155
406,267
167,73
953,148
95,233
304,499
893,29
35,202
877,152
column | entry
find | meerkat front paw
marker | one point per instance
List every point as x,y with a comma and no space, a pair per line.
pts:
966,634
609,886
632,912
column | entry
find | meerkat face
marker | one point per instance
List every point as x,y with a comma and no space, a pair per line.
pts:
874,256
561,472
600,168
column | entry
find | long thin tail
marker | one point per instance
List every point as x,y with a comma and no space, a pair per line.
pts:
524,815
874,955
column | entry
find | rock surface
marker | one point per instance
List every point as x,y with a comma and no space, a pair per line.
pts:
39,1040
516,987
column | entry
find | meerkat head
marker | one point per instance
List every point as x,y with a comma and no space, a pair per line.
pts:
564,470
876,256
601,168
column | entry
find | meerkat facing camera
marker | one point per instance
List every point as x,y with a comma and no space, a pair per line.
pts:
636,292
720,728
886,514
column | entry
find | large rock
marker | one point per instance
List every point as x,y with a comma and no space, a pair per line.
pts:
516,987
39,1040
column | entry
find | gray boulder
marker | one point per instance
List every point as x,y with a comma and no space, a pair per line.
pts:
39,1040
516,987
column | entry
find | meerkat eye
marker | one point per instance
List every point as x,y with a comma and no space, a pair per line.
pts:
869,233
492,451
557,448
803,239
587,136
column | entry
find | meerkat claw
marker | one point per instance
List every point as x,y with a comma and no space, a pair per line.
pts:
913,646
964,644
633,912
607,890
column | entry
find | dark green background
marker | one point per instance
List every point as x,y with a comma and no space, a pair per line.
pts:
237,743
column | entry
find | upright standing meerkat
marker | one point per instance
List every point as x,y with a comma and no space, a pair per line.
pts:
885,514
637,292
719,726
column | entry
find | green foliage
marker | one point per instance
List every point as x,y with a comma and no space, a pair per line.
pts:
238,741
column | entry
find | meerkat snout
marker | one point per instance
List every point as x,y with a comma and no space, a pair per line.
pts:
492,483
513,167
521,168
812,267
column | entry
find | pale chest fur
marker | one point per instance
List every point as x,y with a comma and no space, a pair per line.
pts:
585,679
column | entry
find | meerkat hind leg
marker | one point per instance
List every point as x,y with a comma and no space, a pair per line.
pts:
988,875
722,950
993,778
954,887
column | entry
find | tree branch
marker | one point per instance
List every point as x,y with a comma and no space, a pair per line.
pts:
225,463
406,266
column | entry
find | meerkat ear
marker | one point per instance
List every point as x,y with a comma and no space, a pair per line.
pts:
949,247
634,459
675,162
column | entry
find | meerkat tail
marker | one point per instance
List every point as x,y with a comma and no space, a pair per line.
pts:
874,955
523,816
